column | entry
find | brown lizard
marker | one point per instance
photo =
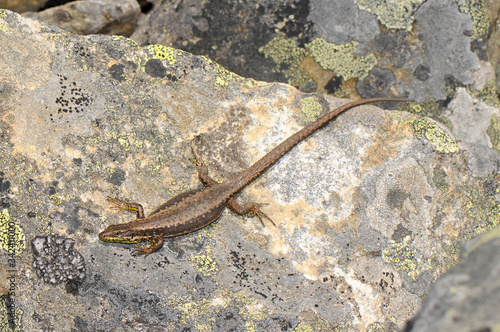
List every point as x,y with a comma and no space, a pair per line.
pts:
197,208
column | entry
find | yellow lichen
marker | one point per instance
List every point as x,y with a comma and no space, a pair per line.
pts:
442,141
311,107
204,262
340,59
392,14
12,237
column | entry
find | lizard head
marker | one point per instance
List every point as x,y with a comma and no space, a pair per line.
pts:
119,233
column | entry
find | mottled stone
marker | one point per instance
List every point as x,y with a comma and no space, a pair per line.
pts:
22,6
370,210
466,297
113,17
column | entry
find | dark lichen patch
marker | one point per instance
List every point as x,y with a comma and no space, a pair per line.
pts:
4,192
400,233
117,177
422,72
56,260
439,179
72,98
396,198
155,68
117,71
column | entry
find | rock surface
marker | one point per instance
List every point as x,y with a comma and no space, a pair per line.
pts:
466,297
22,6
113,17
370,210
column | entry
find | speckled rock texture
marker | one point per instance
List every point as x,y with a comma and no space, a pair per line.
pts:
370,210
22,6
113,17
466,297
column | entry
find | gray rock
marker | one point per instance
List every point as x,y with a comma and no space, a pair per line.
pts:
370,210
465,298
113,17
22,6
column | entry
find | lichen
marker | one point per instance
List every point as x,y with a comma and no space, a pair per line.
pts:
204,262
224,76
429,108
5,317
481,206
311,107
493,132
392,14
402,258
288,58
479,14
488,94
317,325
164,53
196,311
424,128
340,59
439,179
12,237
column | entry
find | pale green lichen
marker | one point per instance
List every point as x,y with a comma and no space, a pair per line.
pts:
439,179
479,14
442,141
429,108
481,206
493,132
375,327
224,76
402,258
392,14
340,59
201,313
12,238
204,262
318,324
288,58
310,107
5,317
488,94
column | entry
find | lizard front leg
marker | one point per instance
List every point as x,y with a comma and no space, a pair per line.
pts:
119,204
142,249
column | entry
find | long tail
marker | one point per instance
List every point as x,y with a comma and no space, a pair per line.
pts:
250,174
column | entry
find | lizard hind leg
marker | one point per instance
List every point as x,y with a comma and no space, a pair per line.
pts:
252,209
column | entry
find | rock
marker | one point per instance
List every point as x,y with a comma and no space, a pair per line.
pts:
466,297
370,210
113,17
22,6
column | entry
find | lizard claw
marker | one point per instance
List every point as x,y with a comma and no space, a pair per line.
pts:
256,212
141,249
196,160
117,204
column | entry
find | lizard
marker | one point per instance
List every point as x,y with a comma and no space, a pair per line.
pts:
197,208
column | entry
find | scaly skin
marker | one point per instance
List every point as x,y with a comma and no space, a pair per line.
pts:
198,208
